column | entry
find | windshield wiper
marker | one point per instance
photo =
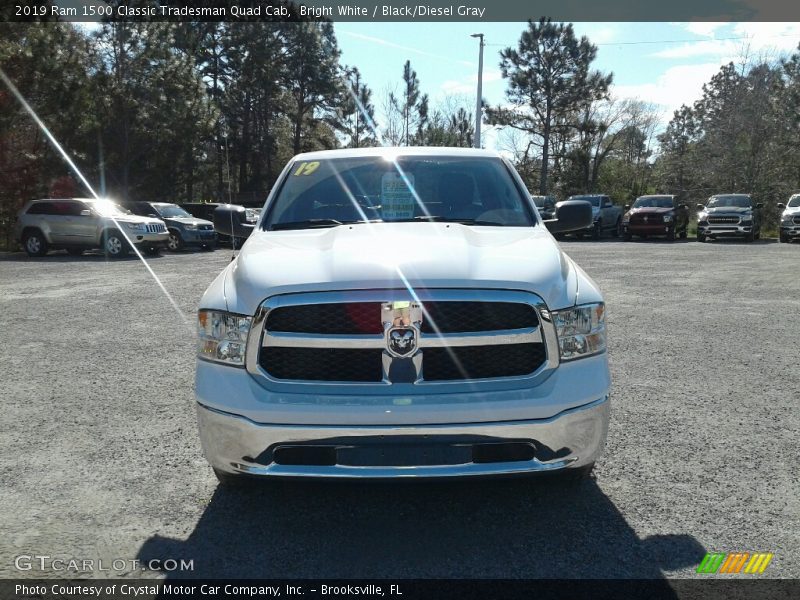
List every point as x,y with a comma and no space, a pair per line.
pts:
307,224
440,219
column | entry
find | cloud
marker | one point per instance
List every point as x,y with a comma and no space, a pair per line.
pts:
681,84
469,85
388,44
742,39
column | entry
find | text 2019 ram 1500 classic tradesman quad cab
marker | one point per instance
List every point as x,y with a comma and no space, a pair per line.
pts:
401,312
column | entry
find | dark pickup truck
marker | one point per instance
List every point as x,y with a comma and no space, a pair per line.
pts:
656,215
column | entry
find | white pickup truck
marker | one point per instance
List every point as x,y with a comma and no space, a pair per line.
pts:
401,312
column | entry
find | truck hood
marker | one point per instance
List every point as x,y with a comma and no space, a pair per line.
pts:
650,210
791,212
397,255
729,210
188,221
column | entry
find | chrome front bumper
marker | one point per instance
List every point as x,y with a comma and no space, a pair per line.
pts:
572,438
725,229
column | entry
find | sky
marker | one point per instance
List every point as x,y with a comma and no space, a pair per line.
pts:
662,63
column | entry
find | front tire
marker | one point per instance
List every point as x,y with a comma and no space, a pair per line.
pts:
671,235
618,229
175,242
701,238
35,244
750,237
783,238
596,231
684,233
627,236
114,244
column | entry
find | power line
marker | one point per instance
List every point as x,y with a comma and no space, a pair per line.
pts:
725,39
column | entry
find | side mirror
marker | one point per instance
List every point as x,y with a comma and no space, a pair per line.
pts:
781,205
701,207
626,207
86,212
571,215
153,216
231,220
683,206
760,205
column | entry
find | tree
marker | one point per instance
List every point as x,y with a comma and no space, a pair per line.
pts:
356,114
549,79
412,105
311,74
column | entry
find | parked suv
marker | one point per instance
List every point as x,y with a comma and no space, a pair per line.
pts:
401,312
184,229
78,224
729,215
606,216
790,219
657,215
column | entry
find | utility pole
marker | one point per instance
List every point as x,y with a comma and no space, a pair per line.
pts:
479,104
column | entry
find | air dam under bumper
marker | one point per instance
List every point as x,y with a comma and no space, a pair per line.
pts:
572,438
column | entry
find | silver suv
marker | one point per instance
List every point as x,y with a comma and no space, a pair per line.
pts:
78,224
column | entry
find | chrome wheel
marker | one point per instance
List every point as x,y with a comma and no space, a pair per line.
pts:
174,243
33,245
113,245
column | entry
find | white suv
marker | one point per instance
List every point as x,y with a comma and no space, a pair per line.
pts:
401,312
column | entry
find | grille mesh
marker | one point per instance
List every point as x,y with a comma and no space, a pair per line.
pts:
455,317
481,362
339,318
722,220
322,364
365,317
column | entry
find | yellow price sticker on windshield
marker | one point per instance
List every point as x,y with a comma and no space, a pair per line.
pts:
307,168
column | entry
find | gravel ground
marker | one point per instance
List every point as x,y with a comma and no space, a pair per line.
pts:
99,456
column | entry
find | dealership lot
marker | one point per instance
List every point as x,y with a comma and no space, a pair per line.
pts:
99,455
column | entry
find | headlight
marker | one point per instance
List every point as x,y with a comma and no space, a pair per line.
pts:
786,220
581,330
702,217
626,218
135,226
667,218
190,226
747,218
222,336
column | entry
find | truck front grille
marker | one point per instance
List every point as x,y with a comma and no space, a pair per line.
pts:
346,337
156,228
722,220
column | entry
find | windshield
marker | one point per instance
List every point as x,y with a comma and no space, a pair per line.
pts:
654,202
794,201
171,211
106,208
731,200
593,200
331,192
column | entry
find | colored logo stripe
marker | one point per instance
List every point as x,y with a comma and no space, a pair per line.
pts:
722,562
711,562
758,563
